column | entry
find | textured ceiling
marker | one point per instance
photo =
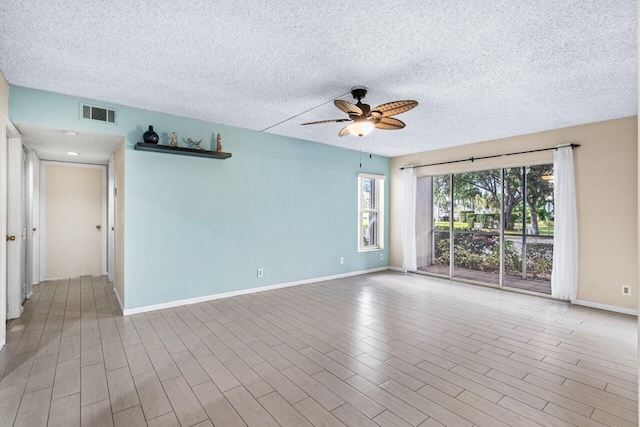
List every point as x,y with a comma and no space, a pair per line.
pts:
480,70
53,144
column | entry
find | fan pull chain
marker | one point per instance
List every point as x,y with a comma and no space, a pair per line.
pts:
360,148
304,112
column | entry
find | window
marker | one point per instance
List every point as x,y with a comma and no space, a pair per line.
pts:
370,212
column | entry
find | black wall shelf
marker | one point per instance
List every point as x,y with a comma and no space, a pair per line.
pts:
143,146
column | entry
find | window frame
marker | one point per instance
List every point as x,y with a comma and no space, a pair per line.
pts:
379,181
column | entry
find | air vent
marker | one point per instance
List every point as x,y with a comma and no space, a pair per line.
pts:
100,114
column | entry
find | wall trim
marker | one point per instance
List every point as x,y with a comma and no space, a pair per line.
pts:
606,307
115,291
401,270
143,309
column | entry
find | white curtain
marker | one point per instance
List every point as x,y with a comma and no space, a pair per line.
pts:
409,257
564,277
424,221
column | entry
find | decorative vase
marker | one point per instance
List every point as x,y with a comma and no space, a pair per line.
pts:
150,137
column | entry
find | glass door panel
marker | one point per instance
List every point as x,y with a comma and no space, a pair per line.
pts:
476,227
539,231
439,237
528,213
514,212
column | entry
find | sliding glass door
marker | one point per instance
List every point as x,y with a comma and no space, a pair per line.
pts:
492,227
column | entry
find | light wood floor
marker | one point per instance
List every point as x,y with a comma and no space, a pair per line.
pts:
540,286
377,350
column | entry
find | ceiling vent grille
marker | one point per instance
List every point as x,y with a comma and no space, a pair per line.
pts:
100,114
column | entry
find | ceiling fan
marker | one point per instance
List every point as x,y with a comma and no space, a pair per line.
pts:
364,118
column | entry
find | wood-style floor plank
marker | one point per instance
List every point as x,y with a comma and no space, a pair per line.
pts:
382,349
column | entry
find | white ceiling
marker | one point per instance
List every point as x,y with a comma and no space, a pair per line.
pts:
53,144
480,70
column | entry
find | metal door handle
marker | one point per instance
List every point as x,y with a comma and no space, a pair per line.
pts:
11,238
98,227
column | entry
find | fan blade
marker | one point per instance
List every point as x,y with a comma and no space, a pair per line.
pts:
347,107
326,121
344,131
395,107
389,123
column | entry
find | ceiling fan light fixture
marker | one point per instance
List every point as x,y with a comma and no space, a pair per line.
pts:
364,118
360,128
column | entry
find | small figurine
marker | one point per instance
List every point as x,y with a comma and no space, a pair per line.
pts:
174,139
196,144
218,143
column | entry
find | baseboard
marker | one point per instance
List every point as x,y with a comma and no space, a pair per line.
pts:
397,269
143,309
606,307
29,295
115,291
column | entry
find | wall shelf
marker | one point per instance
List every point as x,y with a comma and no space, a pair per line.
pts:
143,146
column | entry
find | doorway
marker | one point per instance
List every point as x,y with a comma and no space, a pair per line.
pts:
74,207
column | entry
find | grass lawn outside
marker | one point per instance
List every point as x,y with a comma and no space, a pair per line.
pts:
463,226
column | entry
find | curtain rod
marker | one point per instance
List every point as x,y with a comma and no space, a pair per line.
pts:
473,159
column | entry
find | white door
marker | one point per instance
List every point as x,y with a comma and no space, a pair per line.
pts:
15,228
74,220
111,219
23,225
34,227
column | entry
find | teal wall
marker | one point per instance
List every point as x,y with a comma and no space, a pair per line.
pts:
196,227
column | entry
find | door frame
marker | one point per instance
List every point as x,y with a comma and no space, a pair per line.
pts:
43,213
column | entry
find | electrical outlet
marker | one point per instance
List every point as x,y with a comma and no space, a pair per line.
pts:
381,257
260,272
626,290
341,260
